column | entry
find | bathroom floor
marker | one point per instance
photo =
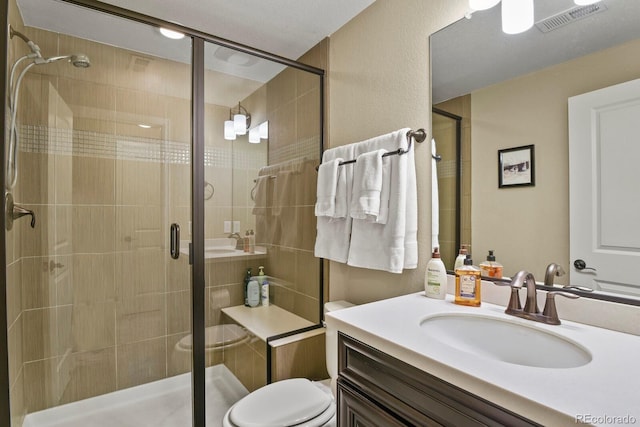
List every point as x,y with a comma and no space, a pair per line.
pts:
164,403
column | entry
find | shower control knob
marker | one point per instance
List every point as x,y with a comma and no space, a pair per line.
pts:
53,265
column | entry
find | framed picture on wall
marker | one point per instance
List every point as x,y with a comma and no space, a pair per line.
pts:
516,167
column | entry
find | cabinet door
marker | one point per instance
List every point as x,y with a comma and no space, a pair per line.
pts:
355,410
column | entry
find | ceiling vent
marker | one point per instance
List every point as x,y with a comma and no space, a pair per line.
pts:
139,63
569,16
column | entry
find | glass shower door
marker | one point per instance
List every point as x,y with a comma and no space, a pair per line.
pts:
98,310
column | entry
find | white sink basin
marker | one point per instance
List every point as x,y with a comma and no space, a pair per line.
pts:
504,340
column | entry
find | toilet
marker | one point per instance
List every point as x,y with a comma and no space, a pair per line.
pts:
217,338
293,402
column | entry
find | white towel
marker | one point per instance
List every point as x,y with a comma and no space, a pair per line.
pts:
332,238
435,205
327,186
367,186
342,198
383,215
392,246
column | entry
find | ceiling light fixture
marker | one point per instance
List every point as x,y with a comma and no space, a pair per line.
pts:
171,34
482,4
517,15
238,123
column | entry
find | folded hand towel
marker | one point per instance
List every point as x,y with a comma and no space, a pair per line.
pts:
332,238
342,198
327,186
392,246
367,186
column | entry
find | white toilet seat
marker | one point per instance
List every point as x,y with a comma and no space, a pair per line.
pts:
216,337
294,402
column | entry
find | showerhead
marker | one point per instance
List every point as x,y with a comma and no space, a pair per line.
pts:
79,60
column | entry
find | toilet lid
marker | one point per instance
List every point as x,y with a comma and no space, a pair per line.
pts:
217,336
283,403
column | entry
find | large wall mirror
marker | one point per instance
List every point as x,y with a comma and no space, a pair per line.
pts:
511,91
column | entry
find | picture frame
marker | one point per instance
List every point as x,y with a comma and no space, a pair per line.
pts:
516,167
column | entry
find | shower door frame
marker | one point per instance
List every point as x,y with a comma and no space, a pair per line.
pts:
197,189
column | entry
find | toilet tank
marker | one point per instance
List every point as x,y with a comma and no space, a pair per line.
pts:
332,339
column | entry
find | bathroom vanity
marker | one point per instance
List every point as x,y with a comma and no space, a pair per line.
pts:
373,386
407,360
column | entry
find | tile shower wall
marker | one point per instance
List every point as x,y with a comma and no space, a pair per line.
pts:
293,110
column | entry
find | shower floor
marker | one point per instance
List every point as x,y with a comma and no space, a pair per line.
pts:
164,403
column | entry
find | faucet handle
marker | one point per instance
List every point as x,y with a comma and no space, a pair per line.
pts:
550,312
514,300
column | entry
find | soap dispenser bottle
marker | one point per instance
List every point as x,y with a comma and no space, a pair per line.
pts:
435,279
462,254
468,284
490,267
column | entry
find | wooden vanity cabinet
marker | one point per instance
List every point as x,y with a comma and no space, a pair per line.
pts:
375,389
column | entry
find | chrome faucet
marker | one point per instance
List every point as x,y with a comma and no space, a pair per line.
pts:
531,311
239,242
524,277
553,270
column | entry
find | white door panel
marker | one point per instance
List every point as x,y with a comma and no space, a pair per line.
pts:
604,166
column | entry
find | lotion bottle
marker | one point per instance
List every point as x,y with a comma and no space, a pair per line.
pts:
435,278
468,284
462,254
253,293
490,267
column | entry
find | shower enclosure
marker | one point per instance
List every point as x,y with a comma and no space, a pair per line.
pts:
128,290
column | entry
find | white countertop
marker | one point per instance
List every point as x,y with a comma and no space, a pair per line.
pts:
608,386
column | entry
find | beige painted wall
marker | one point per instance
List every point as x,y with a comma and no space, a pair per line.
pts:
379,82
530,228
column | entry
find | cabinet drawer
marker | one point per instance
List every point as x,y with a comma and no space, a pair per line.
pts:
412,394
354,409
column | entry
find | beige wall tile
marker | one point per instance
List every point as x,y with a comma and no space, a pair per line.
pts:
93,278
18,408
15,337
178,273
141,362
93,325
308,115
36,241
93,181
39,326
139,183
139,272
178,312
91,374
35,174
37,291
14,291
40,384
140,318
178,362
93,229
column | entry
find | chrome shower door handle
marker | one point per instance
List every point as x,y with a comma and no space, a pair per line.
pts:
174,234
